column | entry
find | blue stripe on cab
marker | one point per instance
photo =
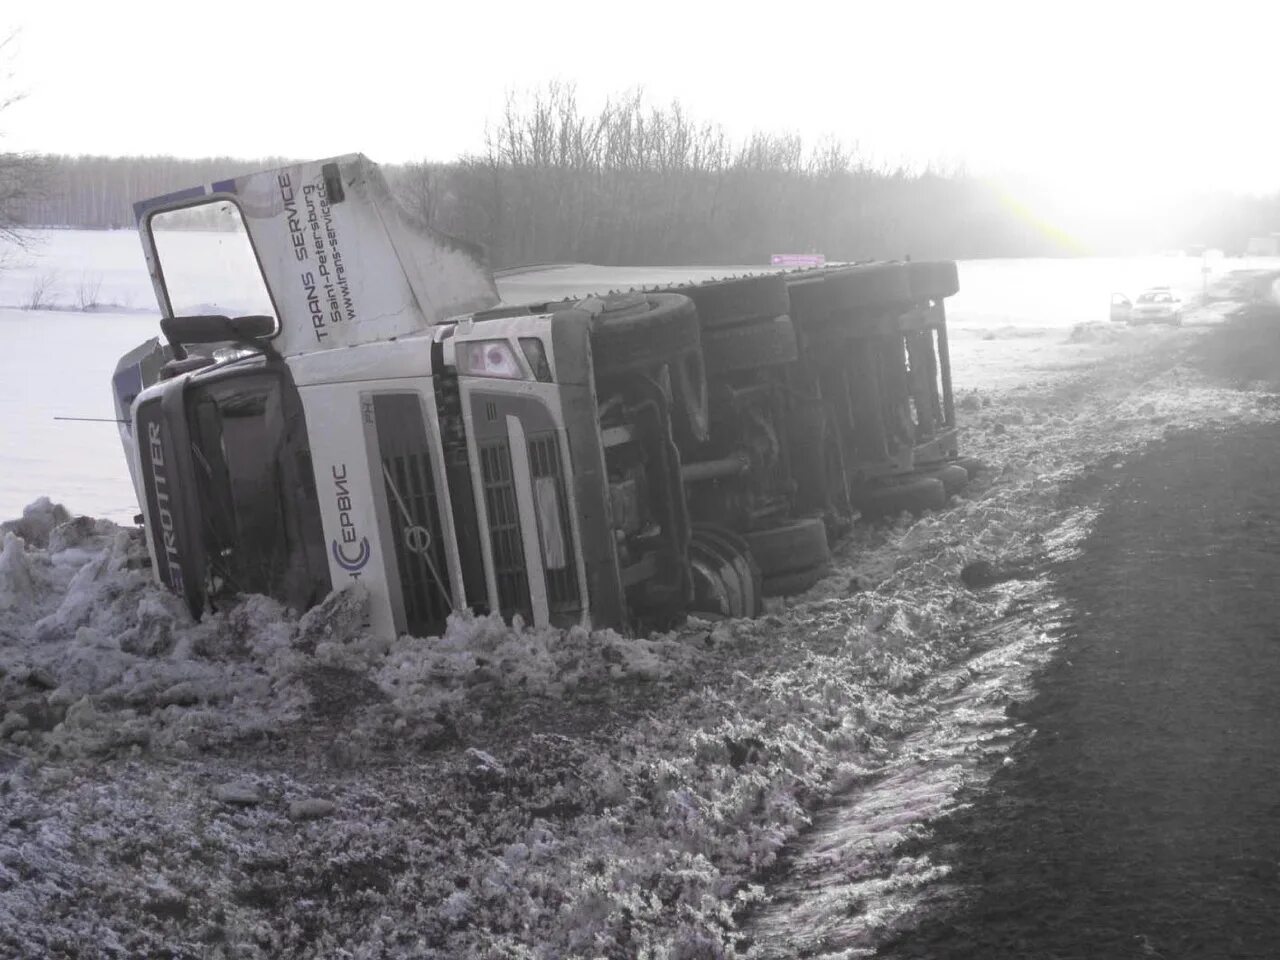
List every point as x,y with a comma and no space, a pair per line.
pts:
143,207
128,384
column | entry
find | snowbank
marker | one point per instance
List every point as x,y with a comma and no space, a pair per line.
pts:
262,784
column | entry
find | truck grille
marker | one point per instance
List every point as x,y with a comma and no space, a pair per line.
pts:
411,497
504,529
562,582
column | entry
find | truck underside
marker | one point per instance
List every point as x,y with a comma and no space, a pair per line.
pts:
356,405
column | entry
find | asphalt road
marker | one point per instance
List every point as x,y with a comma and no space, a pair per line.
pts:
1143,818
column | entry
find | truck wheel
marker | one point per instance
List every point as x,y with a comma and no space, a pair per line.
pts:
810,298
640,331
953,476
723,303
796,545
739,554
932,279
816,457
916,495
748,347
868,285
726,581
789,584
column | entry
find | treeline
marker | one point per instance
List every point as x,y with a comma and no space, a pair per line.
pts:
635,184
642,185
98,193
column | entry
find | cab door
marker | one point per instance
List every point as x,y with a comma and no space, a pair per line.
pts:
1121,308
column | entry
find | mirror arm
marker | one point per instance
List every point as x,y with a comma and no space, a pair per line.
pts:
225,331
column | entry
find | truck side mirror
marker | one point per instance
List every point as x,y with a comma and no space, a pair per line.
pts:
214,328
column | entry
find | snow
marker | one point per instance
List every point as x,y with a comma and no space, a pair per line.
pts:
263,784
58,362
69,262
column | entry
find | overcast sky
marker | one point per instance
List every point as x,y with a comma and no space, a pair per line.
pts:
1102,99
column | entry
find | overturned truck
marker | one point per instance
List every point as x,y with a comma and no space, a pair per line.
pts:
342,396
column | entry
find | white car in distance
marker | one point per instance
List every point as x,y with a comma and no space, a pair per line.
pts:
1157,305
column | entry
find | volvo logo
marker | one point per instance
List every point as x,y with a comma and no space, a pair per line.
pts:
417,539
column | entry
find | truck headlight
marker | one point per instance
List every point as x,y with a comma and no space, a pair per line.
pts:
488,358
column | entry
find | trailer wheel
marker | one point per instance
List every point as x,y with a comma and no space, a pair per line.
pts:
953,476
750,347
723,303
789,584
726,580
739,553
642,330
932,279
796,545
868,285
816,456
809,296
915,495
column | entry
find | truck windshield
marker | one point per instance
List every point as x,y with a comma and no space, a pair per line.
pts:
260,519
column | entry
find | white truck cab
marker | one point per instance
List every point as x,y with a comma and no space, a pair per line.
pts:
334,404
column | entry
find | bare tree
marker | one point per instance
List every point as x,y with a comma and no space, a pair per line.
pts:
20,173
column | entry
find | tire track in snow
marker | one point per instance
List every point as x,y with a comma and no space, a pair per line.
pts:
856,876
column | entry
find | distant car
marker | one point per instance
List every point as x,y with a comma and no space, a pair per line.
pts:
1121,308
1157,305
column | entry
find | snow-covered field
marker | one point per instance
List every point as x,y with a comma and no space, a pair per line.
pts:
1009,318
264,785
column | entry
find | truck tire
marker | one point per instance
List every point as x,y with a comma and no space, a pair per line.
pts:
727,582
953,476
817,457
796,545
867,285
724,303
810,298
932,279
738,551
639,331
972,465
789,584
748,347
916,495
